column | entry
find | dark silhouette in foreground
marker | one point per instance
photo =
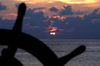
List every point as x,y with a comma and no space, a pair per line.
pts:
16,39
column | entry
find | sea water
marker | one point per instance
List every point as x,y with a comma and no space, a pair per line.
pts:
62,47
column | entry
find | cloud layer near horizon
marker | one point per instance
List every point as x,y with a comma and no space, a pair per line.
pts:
64,23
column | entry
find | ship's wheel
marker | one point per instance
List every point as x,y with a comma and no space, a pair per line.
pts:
15,39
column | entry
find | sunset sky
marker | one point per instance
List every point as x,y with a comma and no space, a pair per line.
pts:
66,1
54,18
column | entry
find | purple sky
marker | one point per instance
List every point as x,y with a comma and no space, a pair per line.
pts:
50,19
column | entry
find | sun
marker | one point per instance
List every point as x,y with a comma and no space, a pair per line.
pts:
53,33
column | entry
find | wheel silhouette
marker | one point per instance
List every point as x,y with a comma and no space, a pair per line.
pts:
15,39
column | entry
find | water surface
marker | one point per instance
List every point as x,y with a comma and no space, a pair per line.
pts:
61,47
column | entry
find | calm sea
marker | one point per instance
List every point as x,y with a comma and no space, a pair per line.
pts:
61,47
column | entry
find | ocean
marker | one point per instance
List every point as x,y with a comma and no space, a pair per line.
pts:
61,47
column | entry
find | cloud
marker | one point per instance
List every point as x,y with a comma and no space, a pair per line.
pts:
39,8
66,11
17,4
70,27
36,18
86,27
36,24
53,9
79,13
93,16
6,24
77,27
2,7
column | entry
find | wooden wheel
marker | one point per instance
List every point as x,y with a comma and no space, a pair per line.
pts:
15,39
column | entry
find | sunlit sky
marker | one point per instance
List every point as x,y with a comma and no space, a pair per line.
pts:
66,1
86,6
88,3
79,8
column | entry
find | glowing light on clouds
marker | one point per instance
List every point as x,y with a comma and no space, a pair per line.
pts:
79,1
66,1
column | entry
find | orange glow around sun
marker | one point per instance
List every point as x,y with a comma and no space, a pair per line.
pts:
53,29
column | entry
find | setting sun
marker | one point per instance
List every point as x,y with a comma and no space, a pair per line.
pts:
52,33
